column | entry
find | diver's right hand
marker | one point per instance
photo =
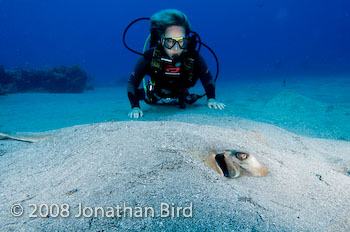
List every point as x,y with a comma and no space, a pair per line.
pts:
136,112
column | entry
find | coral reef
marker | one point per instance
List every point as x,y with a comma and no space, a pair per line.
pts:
61,79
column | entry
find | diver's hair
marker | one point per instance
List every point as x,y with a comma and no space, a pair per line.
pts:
161,20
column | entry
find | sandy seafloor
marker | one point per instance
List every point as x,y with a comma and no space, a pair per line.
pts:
300,130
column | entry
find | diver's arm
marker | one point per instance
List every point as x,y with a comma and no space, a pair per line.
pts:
206,78
209,84
135,80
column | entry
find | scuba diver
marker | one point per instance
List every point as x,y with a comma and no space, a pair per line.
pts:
173,64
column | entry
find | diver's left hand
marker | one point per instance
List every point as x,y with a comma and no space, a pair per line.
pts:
217,105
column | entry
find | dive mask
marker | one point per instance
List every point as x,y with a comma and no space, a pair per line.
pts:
171,42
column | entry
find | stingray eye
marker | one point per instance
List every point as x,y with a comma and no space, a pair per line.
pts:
241,155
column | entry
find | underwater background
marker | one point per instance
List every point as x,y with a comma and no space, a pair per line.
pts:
285,63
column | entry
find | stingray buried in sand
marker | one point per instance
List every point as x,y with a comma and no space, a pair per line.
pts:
233,164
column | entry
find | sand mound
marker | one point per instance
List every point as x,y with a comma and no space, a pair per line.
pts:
145,164
294,102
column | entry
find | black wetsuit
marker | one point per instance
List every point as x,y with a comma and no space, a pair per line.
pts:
143,67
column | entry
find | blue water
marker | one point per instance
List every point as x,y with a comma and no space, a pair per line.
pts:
251,38
259,44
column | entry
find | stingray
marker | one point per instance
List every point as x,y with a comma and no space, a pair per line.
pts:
23,139
233,164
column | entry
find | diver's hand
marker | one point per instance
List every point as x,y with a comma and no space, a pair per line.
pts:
217,105
136,112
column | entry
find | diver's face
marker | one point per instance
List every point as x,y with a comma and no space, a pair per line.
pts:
174,32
